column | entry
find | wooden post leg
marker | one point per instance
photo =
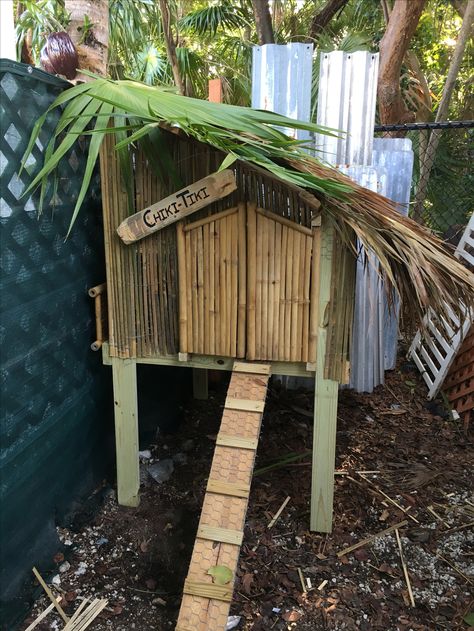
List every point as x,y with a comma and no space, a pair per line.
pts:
200,386
325,404
124,372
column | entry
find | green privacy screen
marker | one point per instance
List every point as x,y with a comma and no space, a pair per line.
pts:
54,391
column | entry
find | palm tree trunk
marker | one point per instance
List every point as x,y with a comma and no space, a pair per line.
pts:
263,21
171,46
323,17
91,43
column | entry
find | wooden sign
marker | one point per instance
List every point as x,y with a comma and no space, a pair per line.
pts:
173,208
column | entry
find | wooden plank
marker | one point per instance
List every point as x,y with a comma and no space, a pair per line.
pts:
183,320
246,405
177,206
238,442
200,384
221,535
124,376
325,401
251,279
284,222
234,489
255,369
208,590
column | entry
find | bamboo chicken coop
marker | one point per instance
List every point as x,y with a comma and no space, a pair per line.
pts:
241,271
248,283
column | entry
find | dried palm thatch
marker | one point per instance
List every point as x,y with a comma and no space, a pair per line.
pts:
412,260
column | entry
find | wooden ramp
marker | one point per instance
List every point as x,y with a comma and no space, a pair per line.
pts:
205,605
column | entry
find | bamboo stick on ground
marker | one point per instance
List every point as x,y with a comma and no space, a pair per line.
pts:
405,569
364,542
50,595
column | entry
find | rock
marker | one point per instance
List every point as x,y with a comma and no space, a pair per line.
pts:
232,622
64,567
161,471
56,580
81,569
145,454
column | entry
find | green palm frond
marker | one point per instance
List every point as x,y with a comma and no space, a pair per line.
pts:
412,259
225,15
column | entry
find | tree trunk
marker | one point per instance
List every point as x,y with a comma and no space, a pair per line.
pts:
91,43
442,113
400,29
171,46
460,6
323,17
263,22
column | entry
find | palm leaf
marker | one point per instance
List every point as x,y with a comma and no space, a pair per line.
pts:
412,259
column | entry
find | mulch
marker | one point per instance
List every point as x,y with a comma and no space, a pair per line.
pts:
398,458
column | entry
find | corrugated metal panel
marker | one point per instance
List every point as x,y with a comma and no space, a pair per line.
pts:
347,98
54,390
367,356
395,156
281,81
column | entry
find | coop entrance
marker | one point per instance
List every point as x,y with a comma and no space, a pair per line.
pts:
245,284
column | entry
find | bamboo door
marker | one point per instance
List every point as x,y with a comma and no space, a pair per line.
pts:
248,286
279,264
212,284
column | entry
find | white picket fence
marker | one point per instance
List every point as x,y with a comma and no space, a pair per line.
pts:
434,350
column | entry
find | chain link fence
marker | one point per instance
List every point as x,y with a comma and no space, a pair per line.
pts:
442,193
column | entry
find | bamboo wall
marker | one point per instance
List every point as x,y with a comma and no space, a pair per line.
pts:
142,278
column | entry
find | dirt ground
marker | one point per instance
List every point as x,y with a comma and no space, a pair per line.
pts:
419,465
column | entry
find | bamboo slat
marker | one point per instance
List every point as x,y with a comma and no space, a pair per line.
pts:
217,288
194,289
285,222
234,221
276,292
251,279
242,268
223,285
282,307
259,288
306,298
183,321
289,295
265,292
314,319
228,285
211,302
271,288
200,290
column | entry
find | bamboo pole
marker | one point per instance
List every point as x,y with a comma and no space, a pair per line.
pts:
265,264
259,288
222,265
228,285
183,320
276,291
283,263
206,270
294,355
242,268
217,291
234,221
212,294
271,287
306,298
314,308
251,271
299,296
200,289
290,276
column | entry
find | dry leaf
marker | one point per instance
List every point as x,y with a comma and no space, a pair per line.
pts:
291,616
247,580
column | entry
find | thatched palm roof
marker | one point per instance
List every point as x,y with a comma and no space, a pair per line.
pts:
413,260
